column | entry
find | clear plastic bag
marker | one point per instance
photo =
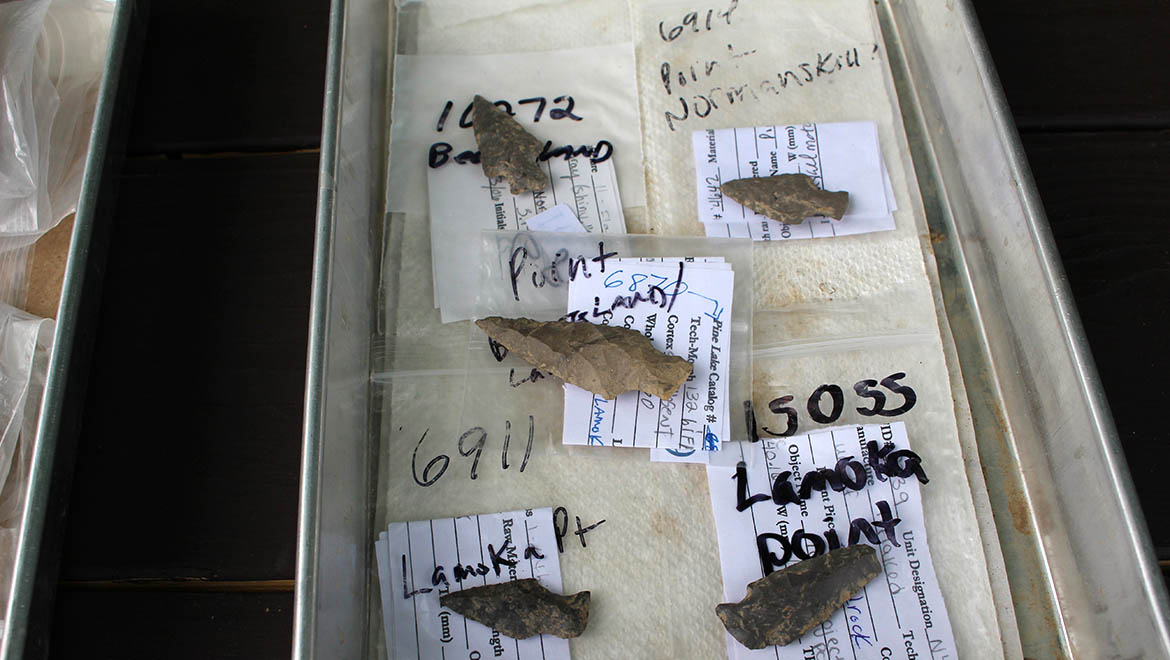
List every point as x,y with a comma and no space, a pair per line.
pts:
73,47
497,389
52,55
25,344
29,104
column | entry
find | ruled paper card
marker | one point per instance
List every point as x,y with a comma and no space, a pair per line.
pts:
419,561
681,305
837,156
549,93
558,218
900,610
464,202
697,456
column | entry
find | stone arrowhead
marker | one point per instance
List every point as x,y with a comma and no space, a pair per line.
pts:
787,198
522,609
506,149
781,607
603,359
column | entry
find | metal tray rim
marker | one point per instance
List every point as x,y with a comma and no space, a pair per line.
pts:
306,584
32,566
1078,343
1051,270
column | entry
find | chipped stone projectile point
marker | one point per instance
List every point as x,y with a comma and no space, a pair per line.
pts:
787,198
506,149
522,609
781,607
603,359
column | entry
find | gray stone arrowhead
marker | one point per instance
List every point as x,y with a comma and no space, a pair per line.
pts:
506,149
787,198
606,360
522,609
781,607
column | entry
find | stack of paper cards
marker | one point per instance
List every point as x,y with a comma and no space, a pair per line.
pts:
464,202
559,218
420,561
901,609
838,156
684,306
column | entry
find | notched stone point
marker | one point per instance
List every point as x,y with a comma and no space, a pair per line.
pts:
605,360
522,609
506,149
781,607
787,198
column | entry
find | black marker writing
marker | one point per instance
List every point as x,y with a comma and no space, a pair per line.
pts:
798,544
561,527
683,106
835,402
439,153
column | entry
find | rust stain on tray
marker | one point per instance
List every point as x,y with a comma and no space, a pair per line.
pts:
1018,508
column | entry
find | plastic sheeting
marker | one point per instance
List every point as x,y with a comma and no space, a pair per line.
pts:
52,55
25,344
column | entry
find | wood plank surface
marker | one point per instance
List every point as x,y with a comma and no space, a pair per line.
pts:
1081,64
188,462
149,625
222,75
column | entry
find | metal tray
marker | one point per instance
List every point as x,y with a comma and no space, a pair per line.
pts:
34,580
1081,570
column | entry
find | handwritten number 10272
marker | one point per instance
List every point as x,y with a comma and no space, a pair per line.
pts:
472,442
541,103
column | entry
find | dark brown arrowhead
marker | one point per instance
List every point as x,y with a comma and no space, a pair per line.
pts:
506,149
606,360
781,607
787,198
522,609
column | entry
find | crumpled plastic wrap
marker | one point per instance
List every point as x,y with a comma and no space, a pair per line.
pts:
826,311
25,344
52,55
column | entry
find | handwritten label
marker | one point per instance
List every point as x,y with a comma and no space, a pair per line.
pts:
694,22
709,86
420,561
813,493
889,397
465,202
684,307
588,112
558,218
471,444
466,119
837,156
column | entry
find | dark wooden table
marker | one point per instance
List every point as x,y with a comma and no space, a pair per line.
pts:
181,531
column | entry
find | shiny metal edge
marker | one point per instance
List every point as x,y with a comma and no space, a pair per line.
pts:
1116,469
1035,617
305,600
337,477
1064,610
36,561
